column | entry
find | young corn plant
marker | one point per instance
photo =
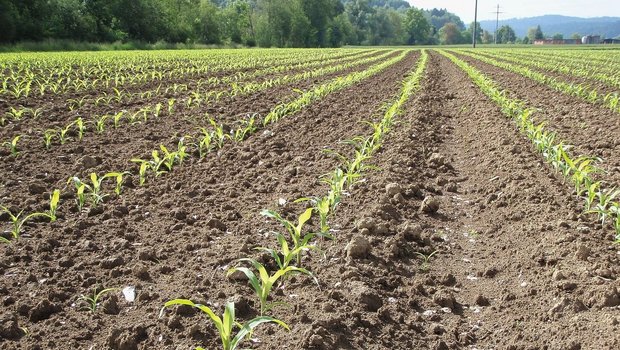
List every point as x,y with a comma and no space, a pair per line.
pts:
80,189
80,128
92,301
13,146
48,137
18,222
100,123
336,181
247,127
605,199
54,200
64,133
171,103
323,206
181,152
295,231
263,284
117,119
285,255
205,144
169,158
219,136
144,167
226,324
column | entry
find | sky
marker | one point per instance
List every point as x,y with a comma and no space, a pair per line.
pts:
523,8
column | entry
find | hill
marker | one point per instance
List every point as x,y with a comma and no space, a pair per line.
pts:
609,27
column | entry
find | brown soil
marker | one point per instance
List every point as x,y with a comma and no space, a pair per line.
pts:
593,129
516,264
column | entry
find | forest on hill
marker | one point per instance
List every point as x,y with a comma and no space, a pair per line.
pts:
265,23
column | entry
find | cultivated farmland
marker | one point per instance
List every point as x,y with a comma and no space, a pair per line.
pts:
323,199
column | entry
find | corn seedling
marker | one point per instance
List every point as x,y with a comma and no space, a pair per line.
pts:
117,118
295,231
54,200
80,127
226,324
605,198
144,166
92,301
18,222
171,105
264,283
100,123
247,127
285,255
80,191
323,206
63,134
181,152
48,136
219,136
13,146
169,158
204,145
426,260
157,110
15,114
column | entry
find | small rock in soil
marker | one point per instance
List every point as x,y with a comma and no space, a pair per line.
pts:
87,162
412,232
112,262
366,223
429,205
436,160
358,247
445,299
217,224
9,327
558,275
393,189
121,340
481,300
42,311
110,306
37,188
582,252
438,329
567,304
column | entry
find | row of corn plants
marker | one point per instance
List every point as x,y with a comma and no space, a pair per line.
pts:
211,138
50,73
298,239
79,126
610,100
598,199
563,66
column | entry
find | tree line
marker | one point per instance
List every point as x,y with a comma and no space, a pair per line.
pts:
265,23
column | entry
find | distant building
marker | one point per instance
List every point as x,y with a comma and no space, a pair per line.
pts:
557,42
611,41
591,39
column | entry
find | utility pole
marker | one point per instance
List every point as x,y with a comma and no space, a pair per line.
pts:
496,23
475,31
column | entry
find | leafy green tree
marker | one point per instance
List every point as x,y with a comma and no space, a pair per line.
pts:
558,36
506,35
208,23
417,26
8,21
450,34
535,33
469,33
487,37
